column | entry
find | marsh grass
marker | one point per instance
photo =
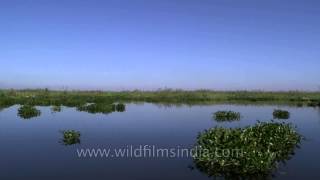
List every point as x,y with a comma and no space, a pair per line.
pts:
263,146
28,111
70,137
281,114
222,116
45,97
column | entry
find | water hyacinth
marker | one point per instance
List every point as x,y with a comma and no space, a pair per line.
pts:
281,114
28,111
261,147
221,116
70,137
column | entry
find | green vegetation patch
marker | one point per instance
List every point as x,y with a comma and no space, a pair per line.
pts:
281,114
28,111
97,108
44,97
221,116
244,152
70,137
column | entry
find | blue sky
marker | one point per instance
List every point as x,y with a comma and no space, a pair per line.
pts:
150,44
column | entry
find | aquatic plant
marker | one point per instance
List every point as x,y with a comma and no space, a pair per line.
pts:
242,152
70,137
55,109
281,114
221,116
120,107
28,111
97,108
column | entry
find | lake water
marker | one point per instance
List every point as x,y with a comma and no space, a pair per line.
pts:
33,148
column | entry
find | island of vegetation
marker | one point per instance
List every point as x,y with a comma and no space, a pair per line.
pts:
221,116
254,151
70,137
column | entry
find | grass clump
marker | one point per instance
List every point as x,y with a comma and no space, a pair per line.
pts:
221,116
28,111
281,114
259,148
71,137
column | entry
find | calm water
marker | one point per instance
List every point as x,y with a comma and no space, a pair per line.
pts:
32,148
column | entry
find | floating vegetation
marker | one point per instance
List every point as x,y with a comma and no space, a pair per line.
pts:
281,114
28,111
97,108
245,152
221,116
299,104
55,109
70,137
120,107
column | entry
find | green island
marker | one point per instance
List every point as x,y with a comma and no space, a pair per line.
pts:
27,112
253,151
221,116
70,137
281,114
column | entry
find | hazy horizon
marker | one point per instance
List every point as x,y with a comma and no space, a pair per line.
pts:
148,44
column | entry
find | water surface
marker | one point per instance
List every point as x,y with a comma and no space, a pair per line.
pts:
32,148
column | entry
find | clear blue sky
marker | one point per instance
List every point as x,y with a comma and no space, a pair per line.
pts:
150,44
